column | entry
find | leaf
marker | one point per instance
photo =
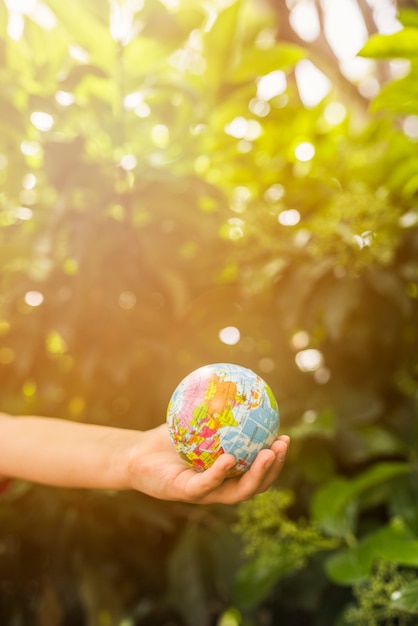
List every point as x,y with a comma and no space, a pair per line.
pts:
408,17
203,560
78,73
220,44
399,96
256,62
335,505
402,44
406,599
86,31
393,543
254,582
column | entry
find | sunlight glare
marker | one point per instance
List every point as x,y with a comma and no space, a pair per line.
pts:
128,162
42,121
291,217
15,26
34,298
230,335
312,84
30,148
309,360
64,98
335,113
21,6
344,27
304,20
23,213
271,85
410,126
304,151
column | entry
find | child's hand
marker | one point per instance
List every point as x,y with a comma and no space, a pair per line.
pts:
157,469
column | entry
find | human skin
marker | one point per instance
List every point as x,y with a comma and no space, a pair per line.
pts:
62,453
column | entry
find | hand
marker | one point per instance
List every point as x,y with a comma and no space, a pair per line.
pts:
158,470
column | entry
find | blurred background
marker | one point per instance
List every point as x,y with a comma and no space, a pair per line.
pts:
185,182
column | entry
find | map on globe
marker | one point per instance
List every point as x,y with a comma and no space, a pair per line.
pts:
222,408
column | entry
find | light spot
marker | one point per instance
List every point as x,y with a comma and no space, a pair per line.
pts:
23,213
64,98
410,126
237,128
291,217
55,343
142,110
310,416
369,87
132,100
78,53
230,335
30,148
300,340
335,113
76,405
304,151
274,193
42,121
127,300
29,388
128,162
43,16
266,364
322,375
309,360
29,181
312,84
304,20
34,298
409,219
15,26
241,128
160,136
261,108
271,85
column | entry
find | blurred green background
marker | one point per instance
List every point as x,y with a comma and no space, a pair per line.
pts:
185,182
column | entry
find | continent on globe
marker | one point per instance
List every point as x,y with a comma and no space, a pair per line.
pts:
221,408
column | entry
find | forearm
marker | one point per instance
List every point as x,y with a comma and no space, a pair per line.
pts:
67,454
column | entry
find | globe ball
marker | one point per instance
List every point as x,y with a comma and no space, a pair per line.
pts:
222,408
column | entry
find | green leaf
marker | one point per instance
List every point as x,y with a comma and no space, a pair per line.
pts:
255,62
254,582
220,45
402,44
86,31
399,96
335,505
408,17
406,599
393,543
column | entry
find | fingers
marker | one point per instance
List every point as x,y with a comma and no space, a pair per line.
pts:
279,448
209,481
262,473
214,486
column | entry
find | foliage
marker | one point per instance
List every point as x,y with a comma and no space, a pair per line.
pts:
374,598
274,543
152,194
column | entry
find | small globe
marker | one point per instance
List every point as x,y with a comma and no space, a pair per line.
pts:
222,408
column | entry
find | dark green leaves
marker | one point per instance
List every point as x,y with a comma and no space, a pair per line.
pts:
335,505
